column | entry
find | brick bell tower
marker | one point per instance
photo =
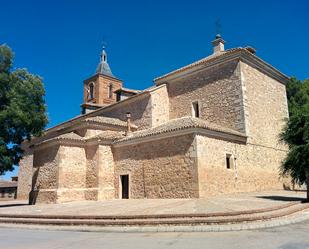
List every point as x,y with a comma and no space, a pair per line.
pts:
99,89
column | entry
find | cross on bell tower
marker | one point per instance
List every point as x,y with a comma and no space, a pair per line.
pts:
218,43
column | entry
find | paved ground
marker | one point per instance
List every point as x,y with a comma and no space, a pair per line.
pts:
287,237
223,203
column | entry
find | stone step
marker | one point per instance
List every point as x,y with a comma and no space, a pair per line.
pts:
157,220
151,216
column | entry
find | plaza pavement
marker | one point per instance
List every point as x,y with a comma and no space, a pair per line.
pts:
223,203
231,212
293,236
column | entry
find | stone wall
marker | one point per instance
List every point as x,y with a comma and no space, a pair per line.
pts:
86,132
106,188
45,175
140,109
265,107
91,176
218,91
159,169
72,168
101,89
99,173
159,106
146,110
25,175
65,173
253,168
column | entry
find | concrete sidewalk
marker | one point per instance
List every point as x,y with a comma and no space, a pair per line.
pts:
223,203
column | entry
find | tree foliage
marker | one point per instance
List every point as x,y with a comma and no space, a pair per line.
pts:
296,132
22,109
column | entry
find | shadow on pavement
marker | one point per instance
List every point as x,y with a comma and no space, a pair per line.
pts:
13,205
281,198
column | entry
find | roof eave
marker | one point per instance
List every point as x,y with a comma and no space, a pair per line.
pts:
82,142
265,67
242,139
103,75
240,54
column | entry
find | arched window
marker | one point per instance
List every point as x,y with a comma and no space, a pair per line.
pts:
91,90
110,91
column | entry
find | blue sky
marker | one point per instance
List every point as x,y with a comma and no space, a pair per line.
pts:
61,40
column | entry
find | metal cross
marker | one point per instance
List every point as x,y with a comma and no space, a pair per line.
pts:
104,43
218,27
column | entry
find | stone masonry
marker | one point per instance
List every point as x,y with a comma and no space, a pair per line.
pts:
151,168
205,129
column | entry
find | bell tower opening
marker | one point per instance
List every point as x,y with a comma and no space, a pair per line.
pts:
91,91
110,91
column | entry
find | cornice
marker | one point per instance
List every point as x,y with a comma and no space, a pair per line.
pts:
186,131
59,141
72,142
102,75
263,66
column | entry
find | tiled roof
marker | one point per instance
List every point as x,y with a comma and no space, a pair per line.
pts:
106,120
70,135
108,135
94,104
201,61
123,89
181,124
7,184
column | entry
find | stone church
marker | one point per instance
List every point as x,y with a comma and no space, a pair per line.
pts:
208,128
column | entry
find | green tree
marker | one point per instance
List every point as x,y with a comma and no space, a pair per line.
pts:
292,89
296,133
22,109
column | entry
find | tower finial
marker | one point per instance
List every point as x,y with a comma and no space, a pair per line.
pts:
103,67
218,43
104,44
103,53
218,28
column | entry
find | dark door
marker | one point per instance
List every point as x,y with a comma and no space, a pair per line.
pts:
124,186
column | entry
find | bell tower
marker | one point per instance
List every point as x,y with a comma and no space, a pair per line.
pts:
99,89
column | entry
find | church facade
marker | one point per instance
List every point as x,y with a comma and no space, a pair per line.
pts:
208,128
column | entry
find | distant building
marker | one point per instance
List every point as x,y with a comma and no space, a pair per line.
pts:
208,128
8,189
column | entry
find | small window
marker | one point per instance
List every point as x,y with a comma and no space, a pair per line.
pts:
229,161
110,91
91,90
195,110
